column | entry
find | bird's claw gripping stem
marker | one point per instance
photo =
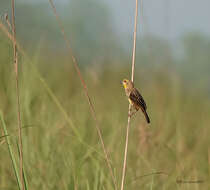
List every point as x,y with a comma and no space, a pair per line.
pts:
131,114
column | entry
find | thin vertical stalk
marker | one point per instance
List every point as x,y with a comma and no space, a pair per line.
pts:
129,109
93,112
134,43
17,93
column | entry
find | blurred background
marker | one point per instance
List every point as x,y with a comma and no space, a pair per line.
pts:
172,73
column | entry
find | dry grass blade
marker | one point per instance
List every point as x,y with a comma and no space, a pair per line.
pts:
129,109
17,94
85,91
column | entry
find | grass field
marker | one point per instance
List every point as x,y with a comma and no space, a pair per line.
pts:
174,147
61,146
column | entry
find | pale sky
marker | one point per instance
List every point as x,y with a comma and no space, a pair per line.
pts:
160,16
165,18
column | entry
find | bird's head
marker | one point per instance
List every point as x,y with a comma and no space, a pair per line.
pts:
127,84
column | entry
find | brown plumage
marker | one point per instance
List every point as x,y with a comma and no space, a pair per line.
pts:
135,98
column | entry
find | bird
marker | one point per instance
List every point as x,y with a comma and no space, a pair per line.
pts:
135,98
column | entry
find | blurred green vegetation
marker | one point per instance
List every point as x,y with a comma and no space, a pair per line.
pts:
176,142
175,88
87,24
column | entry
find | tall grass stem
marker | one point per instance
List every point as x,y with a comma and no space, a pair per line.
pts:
15,57
93,112
129,109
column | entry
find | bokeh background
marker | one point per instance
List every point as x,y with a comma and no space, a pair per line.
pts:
172,73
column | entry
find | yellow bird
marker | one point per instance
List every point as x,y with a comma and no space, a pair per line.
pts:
135,98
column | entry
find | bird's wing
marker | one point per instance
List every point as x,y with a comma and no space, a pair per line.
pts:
136,97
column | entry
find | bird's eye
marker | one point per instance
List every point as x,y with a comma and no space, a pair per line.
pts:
124,81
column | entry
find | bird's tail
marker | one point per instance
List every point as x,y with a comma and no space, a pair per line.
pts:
146,116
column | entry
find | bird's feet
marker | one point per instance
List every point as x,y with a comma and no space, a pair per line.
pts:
131,114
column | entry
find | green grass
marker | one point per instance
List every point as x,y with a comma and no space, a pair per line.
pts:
53,107
10,151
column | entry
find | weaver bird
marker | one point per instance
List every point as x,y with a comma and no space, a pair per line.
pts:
135,98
